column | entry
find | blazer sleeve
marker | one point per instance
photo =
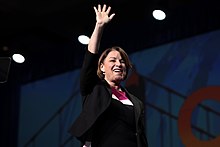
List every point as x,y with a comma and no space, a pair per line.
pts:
88,73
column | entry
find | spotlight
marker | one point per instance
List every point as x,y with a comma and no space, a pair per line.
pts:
83,39
159,14
18,58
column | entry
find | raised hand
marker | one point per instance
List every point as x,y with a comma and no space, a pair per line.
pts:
102,14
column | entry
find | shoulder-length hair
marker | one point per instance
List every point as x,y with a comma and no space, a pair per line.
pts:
103,56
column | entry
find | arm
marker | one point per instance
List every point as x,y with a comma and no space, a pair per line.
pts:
102,18
88,76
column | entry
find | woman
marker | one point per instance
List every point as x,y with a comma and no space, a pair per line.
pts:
111,116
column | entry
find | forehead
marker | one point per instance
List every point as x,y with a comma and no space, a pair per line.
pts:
114,53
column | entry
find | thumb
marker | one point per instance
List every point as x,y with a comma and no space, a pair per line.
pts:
111,16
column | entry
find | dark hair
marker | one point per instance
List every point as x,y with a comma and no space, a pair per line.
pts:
105,54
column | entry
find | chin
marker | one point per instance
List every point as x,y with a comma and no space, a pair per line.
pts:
119,78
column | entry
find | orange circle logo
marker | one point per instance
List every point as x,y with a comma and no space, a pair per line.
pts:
185,114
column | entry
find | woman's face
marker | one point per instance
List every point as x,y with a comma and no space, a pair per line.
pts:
113,67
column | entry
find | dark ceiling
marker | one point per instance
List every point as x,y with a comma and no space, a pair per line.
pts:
47,31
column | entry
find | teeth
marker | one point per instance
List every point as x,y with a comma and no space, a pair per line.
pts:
117,70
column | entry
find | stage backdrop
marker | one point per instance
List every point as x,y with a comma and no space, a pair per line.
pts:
179,83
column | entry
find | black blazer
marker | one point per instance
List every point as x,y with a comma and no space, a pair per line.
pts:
97,96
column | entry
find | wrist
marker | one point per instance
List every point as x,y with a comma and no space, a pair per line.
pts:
100,24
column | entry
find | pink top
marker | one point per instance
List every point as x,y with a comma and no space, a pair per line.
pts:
119,94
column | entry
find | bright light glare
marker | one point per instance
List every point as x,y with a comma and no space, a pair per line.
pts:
159,14
83,39
18,58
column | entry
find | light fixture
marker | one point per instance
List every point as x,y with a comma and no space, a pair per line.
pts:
18,58
159,14
160,8
83,39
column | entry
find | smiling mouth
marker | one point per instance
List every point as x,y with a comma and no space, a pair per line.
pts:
117,71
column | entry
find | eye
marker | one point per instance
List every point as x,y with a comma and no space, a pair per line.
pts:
112,60
122,61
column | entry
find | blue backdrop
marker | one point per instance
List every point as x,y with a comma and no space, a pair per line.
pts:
163,77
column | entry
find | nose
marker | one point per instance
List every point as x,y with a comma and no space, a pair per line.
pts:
118,63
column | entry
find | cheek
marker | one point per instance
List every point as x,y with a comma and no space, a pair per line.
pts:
110,66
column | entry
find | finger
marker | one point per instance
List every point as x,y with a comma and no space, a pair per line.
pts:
111,16
104,8
96,11
99,8
108,10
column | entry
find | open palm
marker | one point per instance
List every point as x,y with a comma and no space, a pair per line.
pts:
102,14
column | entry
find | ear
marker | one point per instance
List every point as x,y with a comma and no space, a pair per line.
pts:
102,68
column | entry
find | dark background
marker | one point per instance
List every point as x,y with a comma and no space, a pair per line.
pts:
46,32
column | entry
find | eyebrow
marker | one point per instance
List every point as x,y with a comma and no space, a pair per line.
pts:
115,58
